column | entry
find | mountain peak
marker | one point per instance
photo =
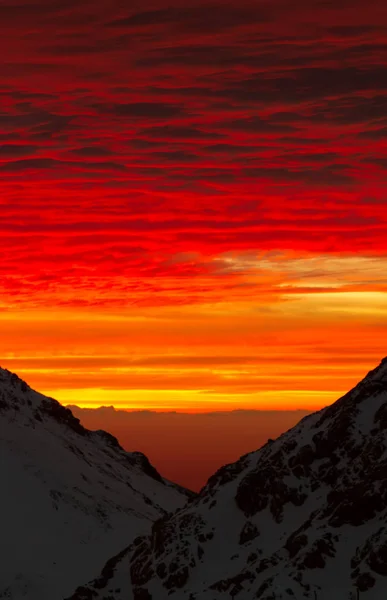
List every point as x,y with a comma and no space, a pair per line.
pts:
75,495
9,376
304,514
380,372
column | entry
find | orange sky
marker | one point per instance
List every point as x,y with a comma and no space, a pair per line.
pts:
298,349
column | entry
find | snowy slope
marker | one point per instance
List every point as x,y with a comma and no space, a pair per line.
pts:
70,498
113,583
306,513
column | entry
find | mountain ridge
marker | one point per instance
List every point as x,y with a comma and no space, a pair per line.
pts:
73,497
302,517
305,513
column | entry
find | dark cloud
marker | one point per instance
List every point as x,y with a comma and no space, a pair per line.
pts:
213,17
332,175
151,17
17,8
147,110
258,125
177,156
29,163
91,151
103,166
352,109
145,144
10,137
205,55
16,150
233,149
373,134
353,31
50,163
77,45
312,157
308,83
378,161
211,175
295,141
258,55
21,96
168,132
40,123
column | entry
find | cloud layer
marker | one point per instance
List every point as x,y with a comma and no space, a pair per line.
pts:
166,155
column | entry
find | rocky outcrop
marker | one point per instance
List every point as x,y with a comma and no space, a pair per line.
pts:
303,514
72,498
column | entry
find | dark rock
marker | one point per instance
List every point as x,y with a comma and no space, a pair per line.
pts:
161,535
108,438
225,584
249,532
315,557
161,570
295,543
304,457
147,467
381,416
377,560
141,594
354,505
62,415
365,582
224,475
177,579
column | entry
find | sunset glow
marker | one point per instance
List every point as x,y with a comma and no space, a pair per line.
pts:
193,201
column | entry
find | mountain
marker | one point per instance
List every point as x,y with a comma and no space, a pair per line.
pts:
70,498
303,517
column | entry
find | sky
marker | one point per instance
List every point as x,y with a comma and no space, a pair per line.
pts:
193,200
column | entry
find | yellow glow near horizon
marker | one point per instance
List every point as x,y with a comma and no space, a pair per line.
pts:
193,401
283,346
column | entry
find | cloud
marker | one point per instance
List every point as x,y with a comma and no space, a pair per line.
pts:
373,134
40,123
305,84
333,175
16,150
206,127
257,125
214,17
177,156
177,132
353,31
350,110
147,110
50,163
378,161
92,151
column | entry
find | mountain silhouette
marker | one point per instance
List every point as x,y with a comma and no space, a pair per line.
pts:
70,498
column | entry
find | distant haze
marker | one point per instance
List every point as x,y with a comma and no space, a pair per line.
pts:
188,448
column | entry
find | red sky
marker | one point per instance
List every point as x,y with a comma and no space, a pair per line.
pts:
193,200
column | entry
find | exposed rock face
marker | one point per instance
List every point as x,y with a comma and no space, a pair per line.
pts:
306,513
70,498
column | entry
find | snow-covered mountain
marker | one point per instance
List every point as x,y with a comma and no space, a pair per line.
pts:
304,515
69,498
